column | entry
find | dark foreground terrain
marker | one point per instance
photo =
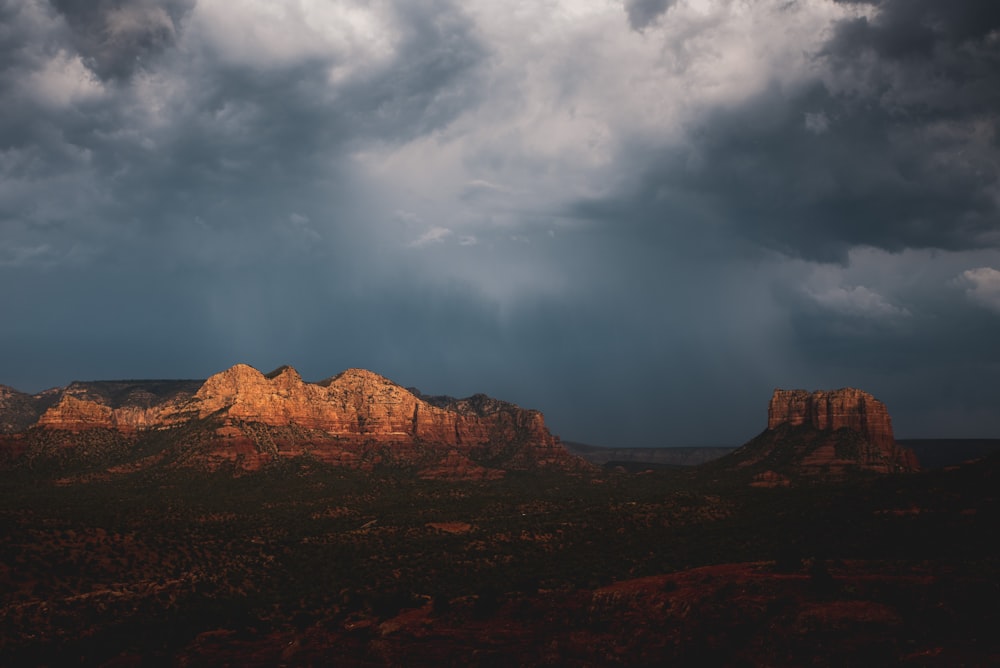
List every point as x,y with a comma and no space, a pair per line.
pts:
306,564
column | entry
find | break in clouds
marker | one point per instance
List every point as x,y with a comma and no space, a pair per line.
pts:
638,216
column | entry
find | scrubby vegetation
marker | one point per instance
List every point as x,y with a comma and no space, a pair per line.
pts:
303,561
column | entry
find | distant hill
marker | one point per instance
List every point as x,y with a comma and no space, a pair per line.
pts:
940,452
679,456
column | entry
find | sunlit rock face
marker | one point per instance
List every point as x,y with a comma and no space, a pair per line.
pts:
124,406
73,414
356,419
361,405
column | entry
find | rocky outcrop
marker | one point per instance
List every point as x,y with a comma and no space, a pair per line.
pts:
360,419
356,419
846,408
74,414
124,406
362,406
826,435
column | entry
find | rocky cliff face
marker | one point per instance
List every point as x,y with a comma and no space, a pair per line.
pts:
357,418
360,405
124,406
846,408
821,435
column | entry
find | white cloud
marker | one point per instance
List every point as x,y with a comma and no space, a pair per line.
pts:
63,81
268,35
571,89
406,217
857,300
858,289
983,286
433,235
302,225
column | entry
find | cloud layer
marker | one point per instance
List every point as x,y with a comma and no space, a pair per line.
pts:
630,215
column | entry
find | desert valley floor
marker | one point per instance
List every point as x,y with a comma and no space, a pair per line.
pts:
303,562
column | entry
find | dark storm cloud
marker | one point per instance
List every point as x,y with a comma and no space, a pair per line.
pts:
917,28
643,12
285,117
935,364
286,120
921,61
233,145
923,80
193,198
431,80
116,36
897,145
13,46
814,176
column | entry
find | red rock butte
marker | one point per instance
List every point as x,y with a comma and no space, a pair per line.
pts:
356,418
822,435
846,408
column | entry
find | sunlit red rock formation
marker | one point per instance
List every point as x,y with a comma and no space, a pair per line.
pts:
822,435
124,406
74,414
356,419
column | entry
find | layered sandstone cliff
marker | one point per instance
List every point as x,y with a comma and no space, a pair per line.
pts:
822,435
846,408
245,418
124,406
359,405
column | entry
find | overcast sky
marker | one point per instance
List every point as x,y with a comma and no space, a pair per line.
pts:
639,217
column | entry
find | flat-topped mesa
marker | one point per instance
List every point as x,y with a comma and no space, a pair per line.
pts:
823,435
831,410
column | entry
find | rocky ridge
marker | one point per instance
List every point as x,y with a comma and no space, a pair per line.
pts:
821,435
245,419
125,406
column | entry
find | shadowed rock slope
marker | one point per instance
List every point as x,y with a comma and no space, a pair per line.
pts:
822,435
243,419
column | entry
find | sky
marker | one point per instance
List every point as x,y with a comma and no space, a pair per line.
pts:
639,217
